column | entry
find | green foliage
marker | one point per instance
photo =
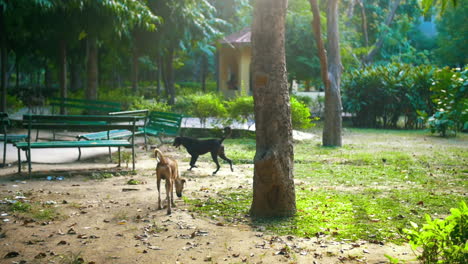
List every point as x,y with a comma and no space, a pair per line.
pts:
450,96
242,109
452,32
14,103
442,241
300,115
142,103
201,106
378,96
20,207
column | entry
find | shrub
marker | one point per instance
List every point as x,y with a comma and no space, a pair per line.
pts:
201,106
300,115
450,96
377,96
442,241
141,103
242,109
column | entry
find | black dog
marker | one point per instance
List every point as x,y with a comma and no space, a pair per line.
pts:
197,147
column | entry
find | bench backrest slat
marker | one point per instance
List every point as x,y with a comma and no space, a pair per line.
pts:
102,107
77,122
168,123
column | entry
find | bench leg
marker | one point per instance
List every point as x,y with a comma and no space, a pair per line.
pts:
29,162
79,153
110,154
37,134
4,152
19,160
133,156
119,157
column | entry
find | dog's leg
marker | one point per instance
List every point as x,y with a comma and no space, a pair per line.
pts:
214,156
192,161
222,155
158,183
168,194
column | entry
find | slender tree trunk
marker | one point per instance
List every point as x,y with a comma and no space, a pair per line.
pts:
134,71
378,45
333,123
316,26
75,76
204,66
17,68
364,23
63,73
160,70
273,183
169,76
92,69
4,60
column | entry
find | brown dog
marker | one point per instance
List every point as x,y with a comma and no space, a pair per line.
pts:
168,170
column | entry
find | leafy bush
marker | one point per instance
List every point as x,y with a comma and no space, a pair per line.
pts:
201,106
450,95
141,103
14,103
242,109
300,115
442,241
377,96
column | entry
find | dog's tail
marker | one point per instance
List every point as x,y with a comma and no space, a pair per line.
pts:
227,133
158,154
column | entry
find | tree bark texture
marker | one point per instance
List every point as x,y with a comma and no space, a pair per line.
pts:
273,183
169,76
63,73
378,45
333,120
3,59
364,23
92,70
135,71
316,26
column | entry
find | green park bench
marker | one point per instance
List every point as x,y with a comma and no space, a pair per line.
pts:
8,138
78,123
117,133
81,107
162,124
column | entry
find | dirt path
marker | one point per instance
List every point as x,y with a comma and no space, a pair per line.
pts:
102,222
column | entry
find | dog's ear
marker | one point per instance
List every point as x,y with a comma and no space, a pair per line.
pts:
184,181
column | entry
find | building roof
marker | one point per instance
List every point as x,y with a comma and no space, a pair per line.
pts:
241,37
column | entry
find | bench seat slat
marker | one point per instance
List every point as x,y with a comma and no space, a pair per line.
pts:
72,144
112,134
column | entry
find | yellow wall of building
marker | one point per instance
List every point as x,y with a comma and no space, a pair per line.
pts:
234,61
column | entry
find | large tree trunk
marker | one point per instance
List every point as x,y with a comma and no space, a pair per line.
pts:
92,70
63,73
378,45
332,124
3,58
273,183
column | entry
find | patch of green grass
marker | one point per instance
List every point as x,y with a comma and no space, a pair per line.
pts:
369,189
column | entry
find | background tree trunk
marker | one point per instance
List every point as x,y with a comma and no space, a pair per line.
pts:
316,26
204,70
273,183
92,81
378,45
333,123
63,73
135,71
169,76
3,59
